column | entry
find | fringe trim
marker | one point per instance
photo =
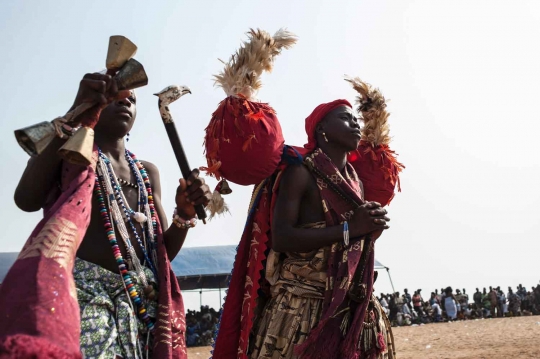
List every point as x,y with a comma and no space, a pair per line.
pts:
387,160
254,202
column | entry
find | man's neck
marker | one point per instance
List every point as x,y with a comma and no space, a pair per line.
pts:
113,148
337,155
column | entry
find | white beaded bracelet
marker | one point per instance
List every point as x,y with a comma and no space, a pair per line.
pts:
182,223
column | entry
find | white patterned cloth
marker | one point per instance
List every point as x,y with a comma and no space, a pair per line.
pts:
109,326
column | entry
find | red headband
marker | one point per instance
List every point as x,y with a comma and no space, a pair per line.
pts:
316,116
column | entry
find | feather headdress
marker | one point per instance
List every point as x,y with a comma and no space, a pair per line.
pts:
241,75
372,105
374,161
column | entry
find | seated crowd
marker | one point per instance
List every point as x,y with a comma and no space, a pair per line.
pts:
448,306
405,309
201,326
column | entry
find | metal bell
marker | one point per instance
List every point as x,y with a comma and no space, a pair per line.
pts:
34,139
78,149
131,76
224,187
121,49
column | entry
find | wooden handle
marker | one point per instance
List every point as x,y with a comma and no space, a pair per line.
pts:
182,162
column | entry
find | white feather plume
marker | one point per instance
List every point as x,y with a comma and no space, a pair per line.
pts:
241,75
217,205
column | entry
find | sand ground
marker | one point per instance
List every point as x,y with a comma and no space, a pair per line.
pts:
473,339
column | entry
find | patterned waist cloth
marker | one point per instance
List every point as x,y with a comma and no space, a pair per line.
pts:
297,285
109,326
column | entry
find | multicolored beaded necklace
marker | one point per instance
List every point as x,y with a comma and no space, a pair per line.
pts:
129,214
147,244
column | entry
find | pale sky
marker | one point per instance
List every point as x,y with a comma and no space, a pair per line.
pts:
462,78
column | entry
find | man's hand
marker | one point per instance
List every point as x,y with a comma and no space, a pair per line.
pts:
191,193
369,218
98,88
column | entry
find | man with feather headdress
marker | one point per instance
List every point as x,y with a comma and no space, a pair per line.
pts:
300,287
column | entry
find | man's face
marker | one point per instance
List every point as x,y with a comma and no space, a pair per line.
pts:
117,119
341,128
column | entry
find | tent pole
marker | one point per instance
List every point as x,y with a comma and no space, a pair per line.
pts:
220,305
391,283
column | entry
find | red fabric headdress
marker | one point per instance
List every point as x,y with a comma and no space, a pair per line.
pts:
316,116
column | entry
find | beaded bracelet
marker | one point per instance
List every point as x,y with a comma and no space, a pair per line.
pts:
346,233
182,223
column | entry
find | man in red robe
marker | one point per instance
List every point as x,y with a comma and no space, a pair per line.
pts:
129,300
307,289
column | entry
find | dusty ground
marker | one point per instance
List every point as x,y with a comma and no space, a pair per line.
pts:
481,339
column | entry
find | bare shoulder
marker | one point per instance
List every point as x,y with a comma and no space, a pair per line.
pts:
296,177
150,167
153,174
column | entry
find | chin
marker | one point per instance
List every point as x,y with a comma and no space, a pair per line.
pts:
113,131
353,146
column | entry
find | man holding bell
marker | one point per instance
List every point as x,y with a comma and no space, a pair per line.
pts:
129,299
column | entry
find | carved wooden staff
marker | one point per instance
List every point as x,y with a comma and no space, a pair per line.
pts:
167,96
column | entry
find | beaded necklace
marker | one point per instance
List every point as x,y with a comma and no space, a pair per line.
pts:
128,282
129,213
113,212
143,182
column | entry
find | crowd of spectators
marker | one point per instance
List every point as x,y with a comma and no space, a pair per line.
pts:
446,305
407,309
200,326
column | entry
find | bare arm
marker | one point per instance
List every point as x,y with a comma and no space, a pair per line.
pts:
287,237
41,175
173,236
43,172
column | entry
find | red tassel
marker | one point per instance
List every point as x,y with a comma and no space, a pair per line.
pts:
247,143
381,343
213,170
256,116
349,347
